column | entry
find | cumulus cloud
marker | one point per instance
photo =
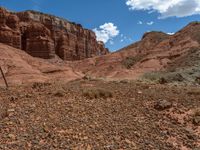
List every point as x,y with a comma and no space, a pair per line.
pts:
106,32
167,8
150,23
171,33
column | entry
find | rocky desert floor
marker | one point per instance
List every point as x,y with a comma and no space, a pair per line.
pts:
97,114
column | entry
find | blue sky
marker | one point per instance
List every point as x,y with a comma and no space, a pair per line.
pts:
117,22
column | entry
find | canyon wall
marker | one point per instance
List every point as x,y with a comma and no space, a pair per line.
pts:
45,36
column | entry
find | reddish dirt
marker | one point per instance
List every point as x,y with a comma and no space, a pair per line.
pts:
58,116
21,68
155,52
42,109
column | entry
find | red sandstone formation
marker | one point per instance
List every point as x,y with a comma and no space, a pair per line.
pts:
21,68
156,51
44,36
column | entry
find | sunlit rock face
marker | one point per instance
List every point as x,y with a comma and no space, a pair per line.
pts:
45,36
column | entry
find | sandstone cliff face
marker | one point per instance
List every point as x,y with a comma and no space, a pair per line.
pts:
43,35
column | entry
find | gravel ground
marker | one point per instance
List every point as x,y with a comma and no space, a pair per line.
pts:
133,115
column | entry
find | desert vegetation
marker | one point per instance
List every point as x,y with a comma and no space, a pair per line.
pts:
130,61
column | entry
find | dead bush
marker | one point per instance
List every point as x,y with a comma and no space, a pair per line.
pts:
97,93
194,92
196,117
3,108
59,93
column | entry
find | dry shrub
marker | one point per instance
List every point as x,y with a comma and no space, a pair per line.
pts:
59,93
96,93
3,108
194,92
197,112
196,117
128,62
163,77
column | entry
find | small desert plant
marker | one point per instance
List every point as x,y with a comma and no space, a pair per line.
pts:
152,76
90,78
197,112
97,93
39,85
163,77
4,104
128,62
124,81
87,77
194,92
59,93
196,117
96,62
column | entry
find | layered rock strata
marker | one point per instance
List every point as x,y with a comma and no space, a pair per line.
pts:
45,36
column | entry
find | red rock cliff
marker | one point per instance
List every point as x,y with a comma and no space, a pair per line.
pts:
44,36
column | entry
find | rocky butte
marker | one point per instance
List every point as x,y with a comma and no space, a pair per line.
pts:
46,36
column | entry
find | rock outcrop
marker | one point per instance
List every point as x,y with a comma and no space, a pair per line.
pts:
45,36
21,68
177,54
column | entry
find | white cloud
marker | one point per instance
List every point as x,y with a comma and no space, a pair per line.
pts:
111,42
124,38
140,22
106,32
150,23
171,33
167,8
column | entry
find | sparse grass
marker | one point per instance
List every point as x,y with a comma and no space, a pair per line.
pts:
152,76
163,77
97,93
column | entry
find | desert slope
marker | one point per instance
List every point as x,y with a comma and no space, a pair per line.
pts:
21,68
156,51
